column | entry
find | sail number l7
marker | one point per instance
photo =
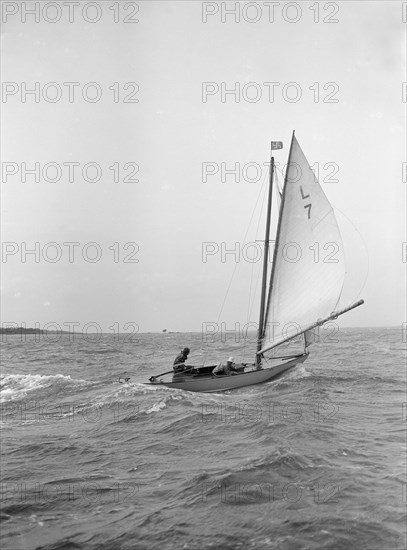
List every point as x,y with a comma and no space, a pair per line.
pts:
308,206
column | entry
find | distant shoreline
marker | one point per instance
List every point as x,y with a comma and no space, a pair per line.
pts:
22,330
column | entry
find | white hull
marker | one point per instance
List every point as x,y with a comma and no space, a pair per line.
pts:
210,383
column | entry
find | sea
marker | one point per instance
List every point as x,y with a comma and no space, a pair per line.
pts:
312,460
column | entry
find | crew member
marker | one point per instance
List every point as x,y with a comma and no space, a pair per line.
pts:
179,361
227,369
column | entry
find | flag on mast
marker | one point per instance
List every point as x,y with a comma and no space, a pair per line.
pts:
276,145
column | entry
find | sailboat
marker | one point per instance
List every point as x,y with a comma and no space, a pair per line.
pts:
303,288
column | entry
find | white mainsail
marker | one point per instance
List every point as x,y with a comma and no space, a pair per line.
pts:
308,266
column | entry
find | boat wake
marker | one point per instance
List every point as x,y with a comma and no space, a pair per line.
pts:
19,386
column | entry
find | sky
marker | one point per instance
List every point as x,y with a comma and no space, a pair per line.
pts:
133,153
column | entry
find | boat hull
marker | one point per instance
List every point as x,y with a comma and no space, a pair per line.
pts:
210,383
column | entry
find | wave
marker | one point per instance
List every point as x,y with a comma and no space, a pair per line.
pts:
99,352
141,409
17,386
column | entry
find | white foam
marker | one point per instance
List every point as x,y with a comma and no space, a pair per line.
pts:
16,386
157,407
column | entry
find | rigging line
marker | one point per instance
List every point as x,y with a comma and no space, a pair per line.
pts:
281,172
255,291
234,270
246,337
252,295
277,190
249,307
250,291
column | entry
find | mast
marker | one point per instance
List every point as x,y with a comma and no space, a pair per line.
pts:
265,260
275,252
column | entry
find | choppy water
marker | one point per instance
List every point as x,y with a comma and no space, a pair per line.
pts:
313,460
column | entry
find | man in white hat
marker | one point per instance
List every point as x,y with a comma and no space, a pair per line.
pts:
227,369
